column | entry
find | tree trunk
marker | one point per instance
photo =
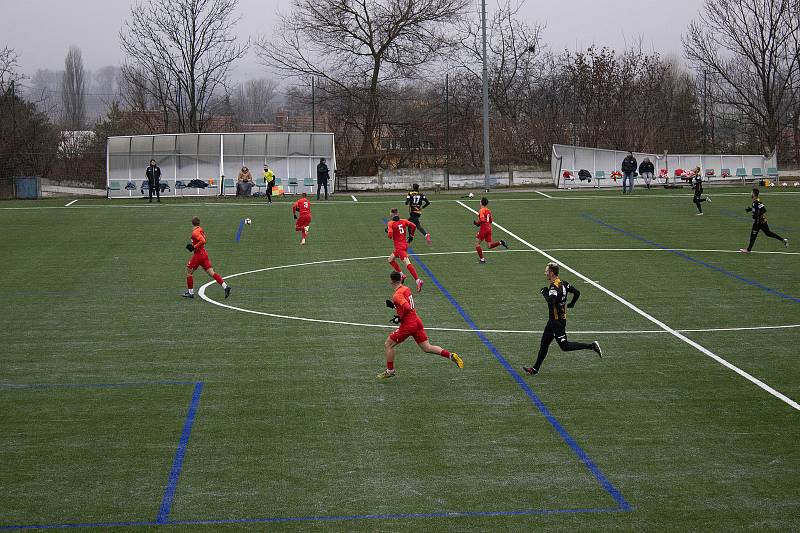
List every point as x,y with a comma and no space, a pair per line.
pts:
365,164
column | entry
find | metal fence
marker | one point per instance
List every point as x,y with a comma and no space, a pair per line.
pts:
215,159
601,163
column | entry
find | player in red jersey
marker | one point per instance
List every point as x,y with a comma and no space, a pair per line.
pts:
200,259
303,206
484,222
401,231
410,326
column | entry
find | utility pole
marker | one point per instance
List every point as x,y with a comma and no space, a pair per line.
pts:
447,131
485,79
705,109
313,105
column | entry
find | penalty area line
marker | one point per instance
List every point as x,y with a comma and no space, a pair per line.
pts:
72,202
543,194
782,397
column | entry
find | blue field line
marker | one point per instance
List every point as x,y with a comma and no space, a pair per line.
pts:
733,214
91,385
180,453
323,518
574,446
239,231
691,259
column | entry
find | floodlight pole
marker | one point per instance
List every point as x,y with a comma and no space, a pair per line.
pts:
485,79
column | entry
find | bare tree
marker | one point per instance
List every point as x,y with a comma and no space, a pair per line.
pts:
181,53
749,47
73,90
253,100
354,46
9,68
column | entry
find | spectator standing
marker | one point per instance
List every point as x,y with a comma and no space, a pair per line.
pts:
323,175
269,179
628,169
153,174
646,171
244,182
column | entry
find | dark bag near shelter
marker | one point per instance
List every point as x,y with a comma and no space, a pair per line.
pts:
584,174
197,184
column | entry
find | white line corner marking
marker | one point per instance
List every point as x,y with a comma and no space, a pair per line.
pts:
72,202
652,319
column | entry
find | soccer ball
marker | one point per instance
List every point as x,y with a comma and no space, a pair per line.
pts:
796,184
471,195
248,221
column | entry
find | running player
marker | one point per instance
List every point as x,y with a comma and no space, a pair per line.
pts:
200,259
556,328
697,187
303,206
484,222
410,326
416,202
401,231
759,211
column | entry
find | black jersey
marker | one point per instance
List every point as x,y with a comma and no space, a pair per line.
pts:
416,202
556,296
697,185
759,212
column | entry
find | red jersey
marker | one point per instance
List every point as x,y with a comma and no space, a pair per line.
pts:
485,218
198,238
404,304
302,205
398,231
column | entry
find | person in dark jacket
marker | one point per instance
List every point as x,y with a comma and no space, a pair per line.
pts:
323,175
628,169
153,174
646,171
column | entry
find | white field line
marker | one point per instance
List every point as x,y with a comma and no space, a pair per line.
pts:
654,320
202,294
72,202
354,197
543,194
339,203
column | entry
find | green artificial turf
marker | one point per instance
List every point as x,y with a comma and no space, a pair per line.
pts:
292,424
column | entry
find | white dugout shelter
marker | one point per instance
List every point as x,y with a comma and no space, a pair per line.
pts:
186,159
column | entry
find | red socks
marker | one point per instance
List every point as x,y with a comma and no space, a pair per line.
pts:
480,251
412,271
189,282
494,245
395,266
445,353
218,278
390,365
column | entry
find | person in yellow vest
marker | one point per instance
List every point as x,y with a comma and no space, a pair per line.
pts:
269,178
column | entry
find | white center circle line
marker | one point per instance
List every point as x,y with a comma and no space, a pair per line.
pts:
201,292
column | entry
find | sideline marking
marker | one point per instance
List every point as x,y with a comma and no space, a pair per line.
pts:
543,194
201,292
354,198
72,202
782,397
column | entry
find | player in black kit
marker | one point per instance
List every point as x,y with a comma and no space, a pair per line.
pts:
556,328
697,187
416,202
759,211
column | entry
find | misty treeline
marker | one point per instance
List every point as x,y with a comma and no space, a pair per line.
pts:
402,87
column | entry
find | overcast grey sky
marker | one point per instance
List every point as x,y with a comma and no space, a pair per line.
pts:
42,30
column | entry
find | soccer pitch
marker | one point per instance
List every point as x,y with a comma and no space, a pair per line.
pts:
128,408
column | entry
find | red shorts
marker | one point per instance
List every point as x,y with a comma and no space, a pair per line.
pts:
302,222
411,328
199,259
400,253
484,234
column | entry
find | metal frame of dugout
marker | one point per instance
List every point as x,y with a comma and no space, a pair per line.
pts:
216,159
